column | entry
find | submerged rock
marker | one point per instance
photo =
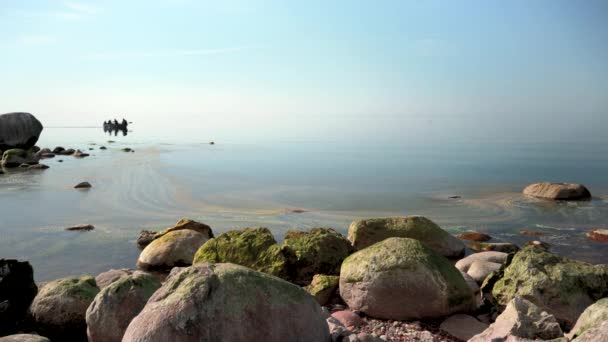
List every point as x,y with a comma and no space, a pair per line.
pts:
558,191
58,311
80,154
19,130
83,185
592,317
176,248
521,319
561,286
320,251
17,290
364,233
226,302
115,306
251,247
323,287
401,279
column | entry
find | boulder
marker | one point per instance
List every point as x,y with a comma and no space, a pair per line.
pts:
320,251
58,150
227,302
593,316
176,248
59,309
558,191
462,326
108,277
480,270
17,290
147,236
24,338
144,238
323,287
559,285
496,257
505,247
521,319
117,304
19,130
16,157
251,247
364,233
401,279
596,334
598,235
80,154
474,236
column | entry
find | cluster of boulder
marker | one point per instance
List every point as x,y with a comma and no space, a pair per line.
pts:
377,284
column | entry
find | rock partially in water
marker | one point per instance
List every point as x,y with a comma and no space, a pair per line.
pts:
505,247
561,286
147,236
251,247
558,191
402,279
226,302
80,154
81,227
39,167
103,148
364,233
474,236
59,309
176,248
533,233
16,157
598,235
592,317
19,130
319,251
127,149
521,319
323,287
17,290
83,185
116,305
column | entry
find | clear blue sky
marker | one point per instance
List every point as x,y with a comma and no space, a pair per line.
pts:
506,68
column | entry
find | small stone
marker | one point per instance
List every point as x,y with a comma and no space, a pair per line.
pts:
126,149
532,233
474,236
211,143
103,148
39,167
83,185
348,318
60,160
81,227
538,243
80,154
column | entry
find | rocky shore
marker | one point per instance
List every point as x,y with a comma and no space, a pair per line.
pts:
390,279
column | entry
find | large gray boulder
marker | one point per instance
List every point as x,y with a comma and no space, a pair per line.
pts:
114,307
59,309
17,290
593,316
402,279
364,233
227,302
558,191
19,130
176,248
521,319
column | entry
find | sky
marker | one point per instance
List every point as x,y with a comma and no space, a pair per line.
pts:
480,69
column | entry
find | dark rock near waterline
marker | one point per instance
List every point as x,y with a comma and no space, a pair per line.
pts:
83,185
19,130
59,309
558,191
402,279
505,247
81,227
39,167
80,154
474,236
533,233
103,148
226,302
598,235
48,155
127,149
145,237
364,233
175,248
117,304
16,157
58,150
17,290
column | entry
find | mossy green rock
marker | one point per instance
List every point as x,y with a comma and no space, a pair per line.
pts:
227,302
319,251
593,316
364,233
15,157
504,247
402,279
323,287
561,286
59,309
255,248
117,304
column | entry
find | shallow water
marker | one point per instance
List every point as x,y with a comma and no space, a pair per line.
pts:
257,183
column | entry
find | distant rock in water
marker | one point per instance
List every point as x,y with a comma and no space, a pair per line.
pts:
598,235
83,185
474,236
558,191
19,130
79,227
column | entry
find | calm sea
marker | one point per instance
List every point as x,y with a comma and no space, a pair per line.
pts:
240,183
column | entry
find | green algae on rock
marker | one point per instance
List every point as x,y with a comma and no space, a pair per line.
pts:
593,316
319,251
227,302
504,247
322,287
251,247
400,279
561,286
364,233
